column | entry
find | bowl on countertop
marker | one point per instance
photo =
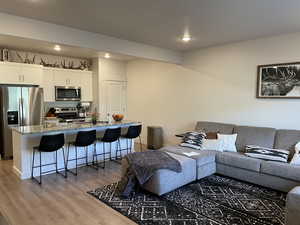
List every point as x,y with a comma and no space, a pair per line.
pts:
118,117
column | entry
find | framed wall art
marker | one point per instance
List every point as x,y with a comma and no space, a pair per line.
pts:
278,80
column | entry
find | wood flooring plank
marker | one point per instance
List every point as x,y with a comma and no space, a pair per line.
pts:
58,201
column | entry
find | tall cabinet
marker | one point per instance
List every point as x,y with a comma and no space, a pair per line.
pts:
110,86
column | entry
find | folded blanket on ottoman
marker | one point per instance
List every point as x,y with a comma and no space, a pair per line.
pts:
142,166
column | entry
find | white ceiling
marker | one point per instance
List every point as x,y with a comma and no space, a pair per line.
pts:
25,44
162,22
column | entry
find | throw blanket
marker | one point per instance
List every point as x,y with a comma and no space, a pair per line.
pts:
142,166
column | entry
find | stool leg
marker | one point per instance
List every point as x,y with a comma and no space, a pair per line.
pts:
76,160
33,154
95,156
117,150
65,165
56,162
109,150
40,168
127,146
104,153
130,145
141,143
86,156
68,151
120,148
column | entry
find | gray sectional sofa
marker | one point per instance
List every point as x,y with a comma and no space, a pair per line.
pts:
276,175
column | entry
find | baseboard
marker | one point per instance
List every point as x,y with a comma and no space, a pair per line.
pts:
17,172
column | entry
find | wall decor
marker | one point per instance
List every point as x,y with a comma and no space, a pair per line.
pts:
5,54
26,59
48,60
278,80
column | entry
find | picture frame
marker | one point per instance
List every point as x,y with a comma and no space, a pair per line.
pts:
278,81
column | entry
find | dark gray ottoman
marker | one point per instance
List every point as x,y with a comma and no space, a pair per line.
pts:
164,181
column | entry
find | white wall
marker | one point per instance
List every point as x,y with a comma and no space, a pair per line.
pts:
214,84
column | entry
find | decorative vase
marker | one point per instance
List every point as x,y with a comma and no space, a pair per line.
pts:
94,121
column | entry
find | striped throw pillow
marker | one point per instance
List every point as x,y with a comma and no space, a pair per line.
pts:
278,155
193,140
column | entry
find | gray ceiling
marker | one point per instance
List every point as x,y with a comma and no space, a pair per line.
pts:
17,43
162,22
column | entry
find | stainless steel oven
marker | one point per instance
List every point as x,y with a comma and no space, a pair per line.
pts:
66,93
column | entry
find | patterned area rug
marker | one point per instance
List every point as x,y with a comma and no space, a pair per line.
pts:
213,200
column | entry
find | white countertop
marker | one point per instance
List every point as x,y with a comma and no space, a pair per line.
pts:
69,126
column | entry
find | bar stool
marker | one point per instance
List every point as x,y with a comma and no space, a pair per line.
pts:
110,135
49,143
132,133
84,139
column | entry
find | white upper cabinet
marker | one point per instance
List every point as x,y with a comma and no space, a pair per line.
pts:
86,84
31,74
48,85
48,78
17,73
64,77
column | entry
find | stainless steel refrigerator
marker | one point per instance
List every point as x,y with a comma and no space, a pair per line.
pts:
20,106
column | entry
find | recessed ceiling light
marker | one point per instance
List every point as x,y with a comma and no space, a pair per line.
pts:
107,55
57,48
186,38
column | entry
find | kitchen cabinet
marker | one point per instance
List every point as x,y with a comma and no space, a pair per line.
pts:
86,84
48,85
18,73
48,78
63,77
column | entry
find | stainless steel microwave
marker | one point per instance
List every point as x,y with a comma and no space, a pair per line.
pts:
66,93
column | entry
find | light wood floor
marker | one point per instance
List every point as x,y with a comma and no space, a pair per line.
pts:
58,201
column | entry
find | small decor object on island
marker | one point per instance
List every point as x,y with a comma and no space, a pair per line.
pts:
118,117
94,117
278,80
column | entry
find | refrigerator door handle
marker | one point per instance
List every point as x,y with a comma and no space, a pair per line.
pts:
21,112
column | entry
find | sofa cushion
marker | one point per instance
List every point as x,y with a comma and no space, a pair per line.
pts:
287,139
203,157
238,160
283,170
260,136
165,180
221,128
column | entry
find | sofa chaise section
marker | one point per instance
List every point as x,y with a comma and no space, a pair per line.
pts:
205,160
164,181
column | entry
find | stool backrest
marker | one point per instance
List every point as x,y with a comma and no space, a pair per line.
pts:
85,138
133,131
111,134
51,143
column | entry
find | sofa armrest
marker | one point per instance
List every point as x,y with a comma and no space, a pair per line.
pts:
293,207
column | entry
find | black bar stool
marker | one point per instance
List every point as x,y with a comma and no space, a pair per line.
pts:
84,139
49,143
132,133
110,135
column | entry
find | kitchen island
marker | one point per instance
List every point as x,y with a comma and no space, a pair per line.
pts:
26,137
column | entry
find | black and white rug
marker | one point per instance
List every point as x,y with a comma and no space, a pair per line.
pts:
215,200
